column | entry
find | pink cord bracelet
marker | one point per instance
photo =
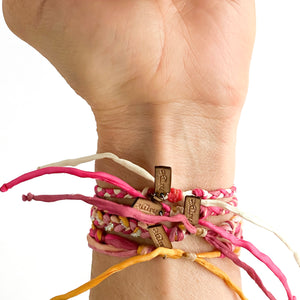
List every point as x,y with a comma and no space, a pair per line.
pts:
176,196
252,249
109,243
111,222
131,212
76,172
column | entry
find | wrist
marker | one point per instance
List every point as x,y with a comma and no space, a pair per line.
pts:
200,149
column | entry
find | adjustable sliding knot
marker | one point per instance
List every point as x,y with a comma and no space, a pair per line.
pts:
27,197
202,232
190,256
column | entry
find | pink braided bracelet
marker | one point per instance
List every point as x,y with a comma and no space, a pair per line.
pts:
111,222
176,197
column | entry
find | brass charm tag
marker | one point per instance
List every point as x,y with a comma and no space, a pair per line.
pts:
159,236
192,206
148,207
162,181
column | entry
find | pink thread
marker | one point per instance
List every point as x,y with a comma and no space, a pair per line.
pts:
112,251
221,247
76,172
251,248
116,208
119,246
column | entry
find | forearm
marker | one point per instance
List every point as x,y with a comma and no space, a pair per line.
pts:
201,152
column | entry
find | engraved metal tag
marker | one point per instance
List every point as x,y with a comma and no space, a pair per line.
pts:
148,207
162,180
159,236
192,206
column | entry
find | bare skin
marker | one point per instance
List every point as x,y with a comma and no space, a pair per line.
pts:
166,81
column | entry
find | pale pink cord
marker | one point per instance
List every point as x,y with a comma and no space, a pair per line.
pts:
102,248
115,208
72,171
114,240
231,255
118,246
251,248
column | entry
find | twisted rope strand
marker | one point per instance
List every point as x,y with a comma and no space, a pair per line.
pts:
115,208
170,253
76,172
123,162
252,249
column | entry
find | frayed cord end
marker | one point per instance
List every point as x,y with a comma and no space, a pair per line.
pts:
4,188
27,197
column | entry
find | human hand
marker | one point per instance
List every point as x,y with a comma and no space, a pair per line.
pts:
118,53
166,81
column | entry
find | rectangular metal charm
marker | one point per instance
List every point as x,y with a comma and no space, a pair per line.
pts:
147,206
192,206
162,180
159,236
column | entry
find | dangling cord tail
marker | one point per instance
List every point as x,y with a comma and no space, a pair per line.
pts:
72,171
115,208
123,162
171,253
131,212
252,219
251,272
79,173
142,172
252,249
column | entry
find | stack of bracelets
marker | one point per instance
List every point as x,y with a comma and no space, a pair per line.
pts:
160,214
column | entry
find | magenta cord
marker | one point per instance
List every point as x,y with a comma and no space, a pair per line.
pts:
251,272
252,249
76,172
114,208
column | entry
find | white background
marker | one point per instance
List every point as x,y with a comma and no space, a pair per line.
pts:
43,249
